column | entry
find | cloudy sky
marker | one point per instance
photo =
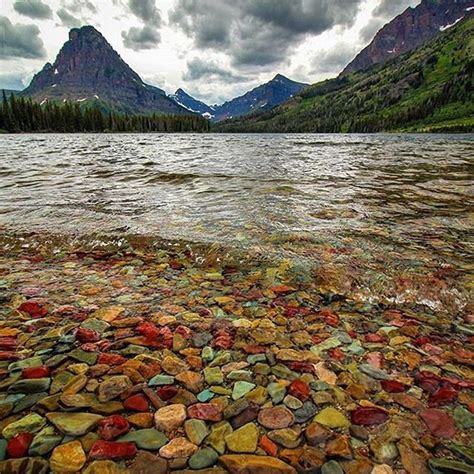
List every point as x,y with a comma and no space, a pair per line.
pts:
214,49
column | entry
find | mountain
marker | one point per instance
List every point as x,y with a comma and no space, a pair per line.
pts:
88,70
427,89
263,97
409,30
194,105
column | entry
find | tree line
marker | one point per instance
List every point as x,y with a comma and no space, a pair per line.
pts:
20,114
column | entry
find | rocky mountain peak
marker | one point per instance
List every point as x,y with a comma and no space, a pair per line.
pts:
409,30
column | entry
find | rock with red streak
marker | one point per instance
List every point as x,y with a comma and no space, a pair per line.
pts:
112,450
183,331
137,402
17,447
375,338
330,317
268,446
111,359
149,330
367,416
302,367
84,335
299,389
9,355
222,339
443,396
8,343
392,386
113,426
438,422
205,411
167,392
276,418
35,372
36,309
428,381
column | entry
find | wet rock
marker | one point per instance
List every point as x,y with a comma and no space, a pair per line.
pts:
74,424
276,418
149,438
68,457
216,438
148,463
286,437
438,422
203,458
414,457
18,445
367,416
170,418
244,439
316,434
30,385
332,418
113,387
178,448
205,411
251,464
35,465
331,467
31,423
196,431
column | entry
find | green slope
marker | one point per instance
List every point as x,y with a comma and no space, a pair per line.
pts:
429,89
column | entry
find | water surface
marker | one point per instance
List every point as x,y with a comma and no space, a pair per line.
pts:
373,216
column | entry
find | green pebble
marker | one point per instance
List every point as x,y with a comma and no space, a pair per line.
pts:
277,392
331,467
148,438
254,358
89,358
196,430
205,396
213,375
161,380
241,388
3,449
26,363
207,354
203,458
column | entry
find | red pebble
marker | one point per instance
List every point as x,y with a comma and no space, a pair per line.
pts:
112,450
254,349
443,396
205,411
268,446
337,354
111,359
330,317
113,426
35,372
17,446
302,367
34,308
281,289
439,423
367,416
138,402
87,335
299,389
8,343
149,330
183,331
167,392
9,355
375,338
428,381
392,386
223,340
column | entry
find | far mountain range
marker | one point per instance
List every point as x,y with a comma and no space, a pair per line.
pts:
88,70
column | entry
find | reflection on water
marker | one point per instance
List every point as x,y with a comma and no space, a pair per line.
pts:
378,215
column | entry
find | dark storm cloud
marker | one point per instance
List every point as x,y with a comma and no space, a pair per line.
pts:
20,41
147,36
145,10
33,9
67,19
137,39
198,69
259,33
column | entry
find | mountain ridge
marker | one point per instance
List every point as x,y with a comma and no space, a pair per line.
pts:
409,30
88,69
427,89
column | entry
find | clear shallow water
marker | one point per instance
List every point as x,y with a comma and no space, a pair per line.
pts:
375,215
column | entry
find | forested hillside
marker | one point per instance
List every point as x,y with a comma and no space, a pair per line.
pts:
428,89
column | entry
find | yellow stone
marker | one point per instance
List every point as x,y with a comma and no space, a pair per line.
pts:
108,314
397,340
6,332
69,457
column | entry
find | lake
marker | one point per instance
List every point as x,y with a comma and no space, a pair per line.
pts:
375,217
